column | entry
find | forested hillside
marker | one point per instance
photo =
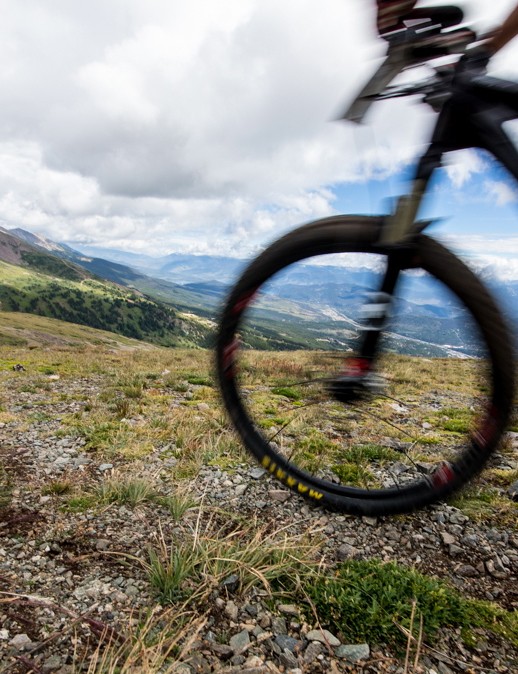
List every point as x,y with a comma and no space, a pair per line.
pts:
60,291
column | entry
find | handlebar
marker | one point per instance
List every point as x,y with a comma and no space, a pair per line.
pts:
413,47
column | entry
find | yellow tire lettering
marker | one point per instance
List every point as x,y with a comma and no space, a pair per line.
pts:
291,482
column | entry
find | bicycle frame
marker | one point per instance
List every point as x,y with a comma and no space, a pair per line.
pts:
342,393
472,116
465,121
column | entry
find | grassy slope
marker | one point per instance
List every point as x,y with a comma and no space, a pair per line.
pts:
20,329
97,304
141,385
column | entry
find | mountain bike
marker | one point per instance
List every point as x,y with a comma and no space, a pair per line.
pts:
363,364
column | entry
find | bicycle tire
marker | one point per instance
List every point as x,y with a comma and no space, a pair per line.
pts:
359,235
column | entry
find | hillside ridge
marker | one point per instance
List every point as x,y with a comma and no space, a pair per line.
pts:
35,279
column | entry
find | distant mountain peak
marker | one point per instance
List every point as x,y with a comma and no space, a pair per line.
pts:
36,240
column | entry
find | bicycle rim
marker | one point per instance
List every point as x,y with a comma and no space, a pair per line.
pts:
434,406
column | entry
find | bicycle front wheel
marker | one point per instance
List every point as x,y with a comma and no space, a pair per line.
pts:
423,421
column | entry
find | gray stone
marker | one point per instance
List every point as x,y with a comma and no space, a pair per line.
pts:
105,466
399,468
238,660
242,669
230,583
496,569
279,495
289,609
198,663
257,473
447,538
82,461
239,641
275,648
353,652
20,642
513,491
467,571
231,610
324,637
288,659
264,621
253,661
288,643
457,517
346,551
279,625
312,652
51,664
223,651
132,591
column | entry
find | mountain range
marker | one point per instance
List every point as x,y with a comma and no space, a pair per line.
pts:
179,268
177,298
48,279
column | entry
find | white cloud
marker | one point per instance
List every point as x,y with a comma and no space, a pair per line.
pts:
462,165
194,124
504,269
501,192
476,244
491,257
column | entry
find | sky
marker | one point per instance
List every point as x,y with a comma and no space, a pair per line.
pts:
162,126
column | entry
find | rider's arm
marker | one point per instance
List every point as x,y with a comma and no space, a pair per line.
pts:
504,33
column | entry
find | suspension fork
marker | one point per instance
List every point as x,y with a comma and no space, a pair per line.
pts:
396,232
377,309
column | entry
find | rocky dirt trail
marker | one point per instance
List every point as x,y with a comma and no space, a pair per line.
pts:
71,578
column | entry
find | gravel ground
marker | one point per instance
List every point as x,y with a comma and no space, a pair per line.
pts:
65,576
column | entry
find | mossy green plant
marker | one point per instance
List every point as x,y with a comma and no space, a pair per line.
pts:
354,474
368,600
